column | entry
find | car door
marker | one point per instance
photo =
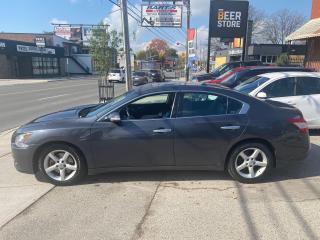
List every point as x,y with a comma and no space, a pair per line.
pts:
204,128
281,90
308,99
143,137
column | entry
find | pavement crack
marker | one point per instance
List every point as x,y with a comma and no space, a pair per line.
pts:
139,231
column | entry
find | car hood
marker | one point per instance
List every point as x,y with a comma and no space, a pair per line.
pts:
71,113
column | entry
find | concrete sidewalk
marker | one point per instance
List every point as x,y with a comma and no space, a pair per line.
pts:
9,82
17,190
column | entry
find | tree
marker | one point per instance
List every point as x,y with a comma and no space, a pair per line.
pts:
158,45
281,24
258,18
141,55
171,52
283,60
104,46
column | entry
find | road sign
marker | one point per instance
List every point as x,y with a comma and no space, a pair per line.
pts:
161,15
228,19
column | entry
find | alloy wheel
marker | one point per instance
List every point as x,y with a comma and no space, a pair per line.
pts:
60,165
251,163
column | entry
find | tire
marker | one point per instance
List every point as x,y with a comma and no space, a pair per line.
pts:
254,162
74,165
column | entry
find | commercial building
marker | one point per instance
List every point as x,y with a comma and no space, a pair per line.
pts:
21,58
24,60
266,53
310,32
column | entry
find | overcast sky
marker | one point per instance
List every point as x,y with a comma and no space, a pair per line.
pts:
36,15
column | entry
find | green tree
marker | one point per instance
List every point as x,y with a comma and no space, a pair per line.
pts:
104,47
283,60
171,52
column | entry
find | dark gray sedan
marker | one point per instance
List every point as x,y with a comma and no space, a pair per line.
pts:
171,126
139,78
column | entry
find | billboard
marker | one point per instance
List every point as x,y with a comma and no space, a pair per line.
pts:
63,31
161,15
191,43
228,19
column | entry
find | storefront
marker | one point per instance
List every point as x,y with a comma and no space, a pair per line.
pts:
24,60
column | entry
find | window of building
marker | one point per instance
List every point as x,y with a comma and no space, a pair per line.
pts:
45,66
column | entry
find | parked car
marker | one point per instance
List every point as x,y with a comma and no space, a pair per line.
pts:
225,68
116,75
168,126
225,76
139,78
157,76
298,89
243,75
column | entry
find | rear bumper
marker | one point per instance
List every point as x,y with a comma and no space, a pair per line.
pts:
293,149
23,158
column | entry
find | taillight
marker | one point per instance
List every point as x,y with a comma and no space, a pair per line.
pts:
300,123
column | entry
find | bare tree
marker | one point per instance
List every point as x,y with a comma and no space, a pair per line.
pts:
281,24
258,17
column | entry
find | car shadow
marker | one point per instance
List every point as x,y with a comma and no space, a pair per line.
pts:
310,167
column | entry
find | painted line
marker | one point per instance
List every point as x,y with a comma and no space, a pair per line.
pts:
57,96
46,89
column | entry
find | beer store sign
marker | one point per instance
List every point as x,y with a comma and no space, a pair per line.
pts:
228,19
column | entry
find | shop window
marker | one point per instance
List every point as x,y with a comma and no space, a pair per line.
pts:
45,66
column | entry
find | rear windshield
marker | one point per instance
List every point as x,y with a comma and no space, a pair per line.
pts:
140,74
251,84
115,71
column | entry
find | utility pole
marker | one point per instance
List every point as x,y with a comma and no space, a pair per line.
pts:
125,28
187,42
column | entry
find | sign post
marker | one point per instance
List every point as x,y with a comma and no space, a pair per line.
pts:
228,19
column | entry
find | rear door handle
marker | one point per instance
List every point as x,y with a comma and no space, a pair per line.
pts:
291,103
230,127
162,130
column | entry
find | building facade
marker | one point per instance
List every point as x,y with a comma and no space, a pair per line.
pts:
24,60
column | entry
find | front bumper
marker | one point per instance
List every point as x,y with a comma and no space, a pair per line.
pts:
23,158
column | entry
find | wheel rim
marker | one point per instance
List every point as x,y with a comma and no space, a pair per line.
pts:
60,165
251,163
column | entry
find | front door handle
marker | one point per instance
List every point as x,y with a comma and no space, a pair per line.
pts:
230,127
162,130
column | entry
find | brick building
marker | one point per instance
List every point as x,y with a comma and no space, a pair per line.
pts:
310,32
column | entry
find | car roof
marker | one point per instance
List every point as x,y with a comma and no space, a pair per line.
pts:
290,74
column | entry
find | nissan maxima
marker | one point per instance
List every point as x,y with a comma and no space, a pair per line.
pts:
168,126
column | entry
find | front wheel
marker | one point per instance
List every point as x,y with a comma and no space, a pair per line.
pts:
62,165
250,162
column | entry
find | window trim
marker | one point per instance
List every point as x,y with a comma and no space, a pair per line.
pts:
244,110
103,117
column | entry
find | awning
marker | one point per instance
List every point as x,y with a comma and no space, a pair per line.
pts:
310,30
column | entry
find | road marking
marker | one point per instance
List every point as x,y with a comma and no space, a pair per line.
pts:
46,89
57,96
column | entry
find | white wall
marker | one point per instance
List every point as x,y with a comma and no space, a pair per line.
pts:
73,68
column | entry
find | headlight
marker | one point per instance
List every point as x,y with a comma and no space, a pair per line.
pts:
21,140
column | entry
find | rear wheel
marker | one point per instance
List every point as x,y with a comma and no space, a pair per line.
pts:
62,165
250,162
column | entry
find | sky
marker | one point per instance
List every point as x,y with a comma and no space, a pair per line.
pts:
36,15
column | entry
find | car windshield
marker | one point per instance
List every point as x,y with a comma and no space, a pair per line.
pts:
154,71
115,71
251,84
106,106
140,74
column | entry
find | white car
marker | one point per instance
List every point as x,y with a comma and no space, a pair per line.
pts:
116,75
299,89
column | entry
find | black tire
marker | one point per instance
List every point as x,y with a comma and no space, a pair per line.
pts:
231,167
80,173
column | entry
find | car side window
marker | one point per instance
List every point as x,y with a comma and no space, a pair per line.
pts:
151,107
281,88
308,85
234,106
202,104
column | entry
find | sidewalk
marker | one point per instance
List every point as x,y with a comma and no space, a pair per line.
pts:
17,190
9,82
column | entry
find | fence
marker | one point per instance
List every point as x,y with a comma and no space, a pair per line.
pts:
106,90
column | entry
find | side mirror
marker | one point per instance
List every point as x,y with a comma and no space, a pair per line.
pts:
114,117
262,95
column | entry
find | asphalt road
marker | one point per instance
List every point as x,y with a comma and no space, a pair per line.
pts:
20,104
